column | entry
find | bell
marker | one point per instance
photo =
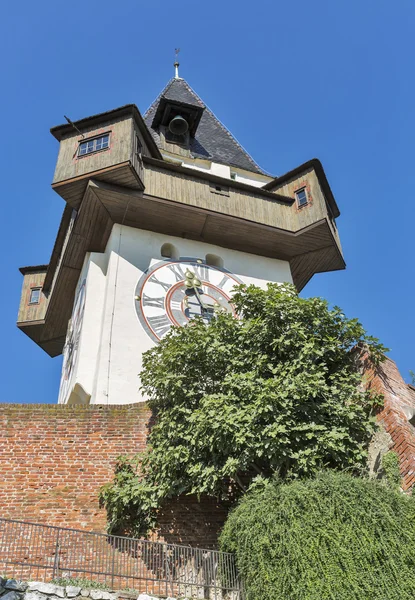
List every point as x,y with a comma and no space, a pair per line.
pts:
178,125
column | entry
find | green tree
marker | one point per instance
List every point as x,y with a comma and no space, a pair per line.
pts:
237,401
332,537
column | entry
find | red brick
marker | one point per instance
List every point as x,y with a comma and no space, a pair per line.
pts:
56,458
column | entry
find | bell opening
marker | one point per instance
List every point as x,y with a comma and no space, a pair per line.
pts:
178,125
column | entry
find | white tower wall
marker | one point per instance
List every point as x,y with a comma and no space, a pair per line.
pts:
111,339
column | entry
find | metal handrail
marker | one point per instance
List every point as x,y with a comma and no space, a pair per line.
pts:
35,551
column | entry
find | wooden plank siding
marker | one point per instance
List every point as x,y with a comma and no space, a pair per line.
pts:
118,164
252,205
27,311
305,214
71,165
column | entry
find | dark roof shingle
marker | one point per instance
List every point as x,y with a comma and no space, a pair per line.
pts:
212,140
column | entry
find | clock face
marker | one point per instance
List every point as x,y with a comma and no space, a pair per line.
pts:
72,342
173,292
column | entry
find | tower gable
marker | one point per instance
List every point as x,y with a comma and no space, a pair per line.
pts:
211,141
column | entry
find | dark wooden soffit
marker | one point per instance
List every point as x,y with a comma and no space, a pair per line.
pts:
60,131
304,266
105,204
315,164
90,233
34,331
57,247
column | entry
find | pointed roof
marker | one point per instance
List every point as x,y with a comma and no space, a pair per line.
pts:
212,140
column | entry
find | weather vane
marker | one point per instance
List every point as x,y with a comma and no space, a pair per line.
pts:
176,63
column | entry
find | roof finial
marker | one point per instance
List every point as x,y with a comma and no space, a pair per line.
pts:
176,64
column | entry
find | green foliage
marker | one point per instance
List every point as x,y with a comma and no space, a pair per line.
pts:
334,537
131,504
390,468
240,400
412,374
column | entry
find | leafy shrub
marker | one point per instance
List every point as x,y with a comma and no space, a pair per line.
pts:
333,537
237,401
390,468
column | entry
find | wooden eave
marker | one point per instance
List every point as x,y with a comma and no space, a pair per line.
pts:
72,190
206,176
57,247
33,269
315,164
60,131
312,249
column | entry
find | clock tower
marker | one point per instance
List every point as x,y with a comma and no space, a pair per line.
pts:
164,214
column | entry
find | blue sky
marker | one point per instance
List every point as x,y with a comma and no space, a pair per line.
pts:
292,80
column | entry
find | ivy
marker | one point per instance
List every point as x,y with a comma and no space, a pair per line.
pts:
333,537
237,401
390,468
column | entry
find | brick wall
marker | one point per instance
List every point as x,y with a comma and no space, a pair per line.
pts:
399,406
54,459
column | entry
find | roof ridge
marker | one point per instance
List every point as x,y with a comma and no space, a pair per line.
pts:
224,128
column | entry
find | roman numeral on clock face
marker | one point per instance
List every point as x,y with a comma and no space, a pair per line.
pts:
177,272
156,302
175,305
160,325
202,272
223,281
164,285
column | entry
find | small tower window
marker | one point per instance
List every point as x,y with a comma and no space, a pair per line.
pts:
35,295
302,198
94,145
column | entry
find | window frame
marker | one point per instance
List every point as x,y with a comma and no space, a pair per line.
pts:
307,200
92,139
36,288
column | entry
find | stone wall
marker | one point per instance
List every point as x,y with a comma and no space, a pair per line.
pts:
397,418
58,456
12,589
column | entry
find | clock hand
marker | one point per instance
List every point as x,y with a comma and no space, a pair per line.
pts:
192,283
200,300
